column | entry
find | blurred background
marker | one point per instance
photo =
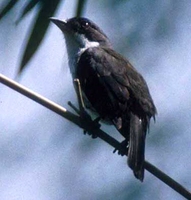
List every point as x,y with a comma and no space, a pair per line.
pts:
43,156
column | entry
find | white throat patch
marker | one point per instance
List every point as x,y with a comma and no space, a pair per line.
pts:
76,45
85,43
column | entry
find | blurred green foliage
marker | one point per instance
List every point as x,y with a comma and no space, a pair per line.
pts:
47,8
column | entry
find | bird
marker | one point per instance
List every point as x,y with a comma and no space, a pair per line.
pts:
110,85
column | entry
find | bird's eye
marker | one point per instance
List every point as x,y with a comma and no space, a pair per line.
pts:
85,25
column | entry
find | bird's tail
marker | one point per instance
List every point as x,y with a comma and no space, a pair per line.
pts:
136,151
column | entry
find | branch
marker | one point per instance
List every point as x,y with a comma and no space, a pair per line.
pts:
92,129
40,99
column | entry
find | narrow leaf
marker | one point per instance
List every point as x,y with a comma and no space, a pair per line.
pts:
10,4
80,7
26,9
37,34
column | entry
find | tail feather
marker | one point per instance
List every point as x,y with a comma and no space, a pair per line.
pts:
136,152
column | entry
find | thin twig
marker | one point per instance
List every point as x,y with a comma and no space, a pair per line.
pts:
39,99
168,180
87,125
74,107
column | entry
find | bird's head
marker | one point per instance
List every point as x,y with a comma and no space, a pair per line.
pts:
82,31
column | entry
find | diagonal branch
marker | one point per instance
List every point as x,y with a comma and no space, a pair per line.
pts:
89,126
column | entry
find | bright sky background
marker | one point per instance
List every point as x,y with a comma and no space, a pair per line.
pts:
45,157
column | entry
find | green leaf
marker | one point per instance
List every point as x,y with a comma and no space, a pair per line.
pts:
80,7
27,8
37,34
10,4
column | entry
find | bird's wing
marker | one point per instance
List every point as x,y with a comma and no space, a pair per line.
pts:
120,78
116,89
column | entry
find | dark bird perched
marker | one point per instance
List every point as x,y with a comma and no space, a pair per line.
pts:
111,86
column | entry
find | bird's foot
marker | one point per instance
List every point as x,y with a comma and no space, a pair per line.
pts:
93,124
86,120
122,150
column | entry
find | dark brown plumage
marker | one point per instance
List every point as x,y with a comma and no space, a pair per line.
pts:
110,84
118,93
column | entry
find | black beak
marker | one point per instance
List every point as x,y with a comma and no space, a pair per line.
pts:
61,24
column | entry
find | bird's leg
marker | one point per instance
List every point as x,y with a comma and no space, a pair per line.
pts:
123,148
79,95
82,112
81,104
